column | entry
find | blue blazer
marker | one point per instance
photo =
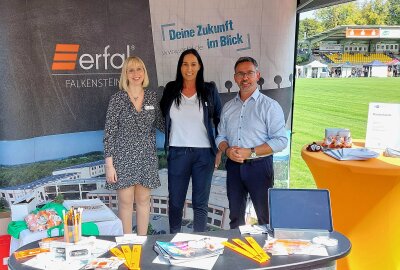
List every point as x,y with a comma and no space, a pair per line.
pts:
211,111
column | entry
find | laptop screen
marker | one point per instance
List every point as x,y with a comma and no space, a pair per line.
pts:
300,209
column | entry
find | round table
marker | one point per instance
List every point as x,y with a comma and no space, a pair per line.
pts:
365,201
230,259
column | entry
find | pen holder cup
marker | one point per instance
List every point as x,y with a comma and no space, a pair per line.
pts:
72,233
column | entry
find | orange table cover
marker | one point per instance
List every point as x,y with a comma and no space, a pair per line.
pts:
365,201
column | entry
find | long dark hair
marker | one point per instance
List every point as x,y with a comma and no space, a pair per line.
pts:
200,86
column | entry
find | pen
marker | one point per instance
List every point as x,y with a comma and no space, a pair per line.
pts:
65,220
76,226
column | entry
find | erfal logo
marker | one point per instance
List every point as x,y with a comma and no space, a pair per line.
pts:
66,57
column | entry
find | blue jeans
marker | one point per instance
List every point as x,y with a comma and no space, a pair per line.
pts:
184,162
254,178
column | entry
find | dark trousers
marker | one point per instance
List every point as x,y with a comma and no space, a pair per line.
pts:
254,178
184,162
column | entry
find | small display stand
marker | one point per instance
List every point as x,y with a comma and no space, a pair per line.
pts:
383,130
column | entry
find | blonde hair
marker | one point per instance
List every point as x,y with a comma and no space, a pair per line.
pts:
132,60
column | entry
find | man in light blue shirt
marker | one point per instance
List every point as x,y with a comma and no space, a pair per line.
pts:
251,130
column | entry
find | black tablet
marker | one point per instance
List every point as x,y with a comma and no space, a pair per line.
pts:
308,209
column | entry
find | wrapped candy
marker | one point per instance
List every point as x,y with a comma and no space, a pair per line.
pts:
328,142
338,141
347,142
42,220
337,138
314,147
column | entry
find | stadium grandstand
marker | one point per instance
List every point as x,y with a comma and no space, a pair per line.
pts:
358,46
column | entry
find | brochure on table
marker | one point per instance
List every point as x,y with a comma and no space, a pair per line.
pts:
53,260
203,263
383,128
351,153
189,250
285,247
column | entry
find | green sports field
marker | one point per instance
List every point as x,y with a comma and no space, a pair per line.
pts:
333,102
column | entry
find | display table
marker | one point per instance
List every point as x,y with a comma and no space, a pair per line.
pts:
365,205
110,227
229,260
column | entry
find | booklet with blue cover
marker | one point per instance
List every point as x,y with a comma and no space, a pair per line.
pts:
190,249
351,153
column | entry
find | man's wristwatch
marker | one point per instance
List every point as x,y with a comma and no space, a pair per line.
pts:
253,153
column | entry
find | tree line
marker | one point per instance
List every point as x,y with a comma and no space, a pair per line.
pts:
369,12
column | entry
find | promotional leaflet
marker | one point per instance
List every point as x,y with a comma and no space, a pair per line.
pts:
383,129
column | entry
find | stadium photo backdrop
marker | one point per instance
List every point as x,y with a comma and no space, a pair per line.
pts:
61,62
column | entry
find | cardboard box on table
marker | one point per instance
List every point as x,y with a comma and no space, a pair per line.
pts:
23,206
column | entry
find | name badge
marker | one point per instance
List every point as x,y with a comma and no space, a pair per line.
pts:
149,107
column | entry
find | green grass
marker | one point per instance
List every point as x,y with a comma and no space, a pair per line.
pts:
333,102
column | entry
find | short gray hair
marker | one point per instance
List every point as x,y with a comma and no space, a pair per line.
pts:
246,59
